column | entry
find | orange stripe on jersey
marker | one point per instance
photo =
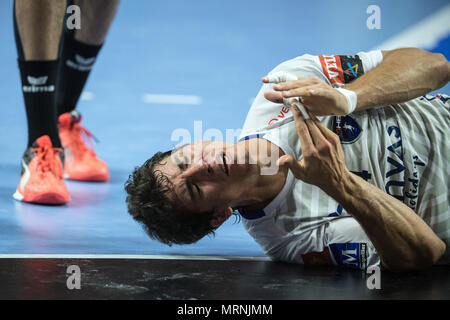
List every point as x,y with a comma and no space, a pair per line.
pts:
332,68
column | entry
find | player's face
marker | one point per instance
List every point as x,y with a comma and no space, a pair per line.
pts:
206,175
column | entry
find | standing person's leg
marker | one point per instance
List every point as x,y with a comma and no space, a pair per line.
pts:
80,49
37,28
79,52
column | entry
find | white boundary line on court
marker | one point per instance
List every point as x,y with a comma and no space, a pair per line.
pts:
425,34
171,99
131,256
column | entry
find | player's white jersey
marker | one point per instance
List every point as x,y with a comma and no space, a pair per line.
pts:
401,149
334,70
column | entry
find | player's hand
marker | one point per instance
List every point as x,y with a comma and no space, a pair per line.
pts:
323,162
318,97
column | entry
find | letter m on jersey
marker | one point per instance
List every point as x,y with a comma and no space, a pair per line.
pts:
350,254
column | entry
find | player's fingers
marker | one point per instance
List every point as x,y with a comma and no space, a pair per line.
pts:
295,166
276,97
279,76
329,135
305,92
300,82
302,131
289,102
298,92
317,137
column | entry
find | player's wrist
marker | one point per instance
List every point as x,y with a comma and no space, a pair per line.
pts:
365,97
351,99
342,189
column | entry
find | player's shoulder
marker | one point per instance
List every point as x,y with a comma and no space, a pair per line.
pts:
302,61
334,69
305,66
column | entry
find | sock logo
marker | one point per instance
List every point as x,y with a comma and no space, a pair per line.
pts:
81,63
84,61
37,81
37,84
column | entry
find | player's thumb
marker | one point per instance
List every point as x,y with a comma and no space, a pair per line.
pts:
295,166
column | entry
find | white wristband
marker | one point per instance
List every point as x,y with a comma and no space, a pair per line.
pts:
351,97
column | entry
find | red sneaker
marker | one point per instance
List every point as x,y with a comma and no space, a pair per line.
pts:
42,174
81,162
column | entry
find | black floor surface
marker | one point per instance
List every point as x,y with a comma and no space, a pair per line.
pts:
208,280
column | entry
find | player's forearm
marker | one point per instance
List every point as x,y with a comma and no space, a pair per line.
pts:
403,75
402,239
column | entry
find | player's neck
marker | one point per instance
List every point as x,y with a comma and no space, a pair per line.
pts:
267,179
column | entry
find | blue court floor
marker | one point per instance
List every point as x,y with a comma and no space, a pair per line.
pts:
212,54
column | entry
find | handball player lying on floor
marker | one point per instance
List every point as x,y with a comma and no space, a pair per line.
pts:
342,160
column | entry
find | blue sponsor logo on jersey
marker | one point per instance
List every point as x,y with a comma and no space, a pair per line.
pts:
346,128
395,177
350,254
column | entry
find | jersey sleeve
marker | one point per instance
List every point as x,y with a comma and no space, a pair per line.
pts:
336,70
349,245
340,242
340,70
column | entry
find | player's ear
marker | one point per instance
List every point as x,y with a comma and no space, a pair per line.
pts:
220,215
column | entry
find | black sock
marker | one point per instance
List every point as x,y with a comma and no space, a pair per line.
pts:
77,59
39,92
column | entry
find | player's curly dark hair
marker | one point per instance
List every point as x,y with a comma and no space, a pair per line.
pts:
148,204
